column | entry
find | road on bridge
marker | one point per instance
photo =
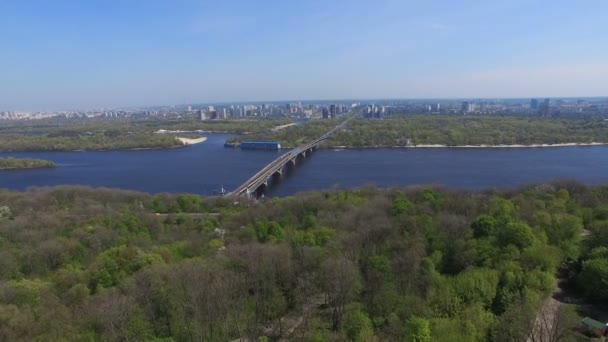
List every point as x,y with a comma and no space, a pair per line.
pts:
262,176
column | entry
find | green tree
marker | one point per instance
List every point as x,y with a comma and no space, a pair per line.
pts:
418,330
484,225
593,278
357,325
516,233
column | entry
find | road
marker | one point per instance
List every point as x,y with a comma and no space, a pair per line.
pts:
253,183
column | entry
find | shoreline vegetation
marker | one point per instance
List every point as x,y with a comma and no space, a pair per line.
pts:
407,131
64,135
426,131
81,263
11,163
476,146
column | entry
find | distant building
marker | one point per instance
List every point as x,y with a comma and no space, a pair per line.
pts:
534,104
464,107
189,108
332,110
543,108
237,112
202,115
467,107
325,112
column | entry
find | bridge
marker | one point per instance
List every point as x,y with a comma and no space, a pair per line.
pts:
258,184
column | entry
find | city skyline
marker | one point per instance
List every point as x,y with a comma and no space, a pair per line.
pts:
66,54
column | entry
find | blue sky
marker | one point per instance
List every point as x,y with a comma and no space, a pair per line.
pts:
64,54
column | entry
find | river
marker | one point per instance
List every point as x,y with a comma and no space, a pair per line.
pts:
205,168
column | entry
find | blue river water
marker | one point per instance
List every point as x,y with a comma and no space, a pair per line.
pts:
206,167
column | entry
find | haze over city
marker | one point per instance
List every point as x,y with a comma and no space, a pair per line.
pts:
74,54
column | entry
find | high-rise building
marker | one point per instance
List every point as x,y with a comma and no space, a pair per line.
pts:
468,107
325,112
465,107
534,104
543,108
202,115
332,110
236,112
189,108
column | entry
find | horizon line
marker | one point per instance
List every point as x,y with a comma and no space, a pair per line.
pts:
311,100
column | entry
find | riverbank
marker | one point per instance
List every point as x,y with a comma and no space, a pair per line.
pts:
474,146
190,141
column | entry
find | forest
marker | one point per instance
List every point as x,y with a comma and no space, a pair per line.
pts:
414,264
449,130
96,134
24,163
102,141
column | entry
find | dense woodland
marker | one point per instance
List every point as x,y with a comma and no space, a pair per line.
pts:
445,130
67,135
71,135
24,163
86,142
417,264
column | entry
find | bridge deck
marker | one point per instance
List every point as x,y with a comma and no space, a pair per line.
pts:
275,166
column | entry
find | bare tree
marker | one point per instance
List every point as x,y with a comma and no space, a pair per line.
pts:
554,323
341,283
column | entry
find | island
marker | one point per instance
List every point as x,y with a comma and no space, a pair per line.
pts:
11,163
443,131
132,134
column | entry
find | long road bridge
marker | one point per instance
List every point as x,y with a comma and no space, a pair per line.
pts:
259,182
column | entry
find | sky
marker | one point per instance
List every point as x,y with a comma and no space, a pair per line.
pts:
74,54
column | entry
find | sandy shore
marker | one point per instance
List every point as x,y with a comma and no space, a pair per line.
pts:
278,128
478,146
188,141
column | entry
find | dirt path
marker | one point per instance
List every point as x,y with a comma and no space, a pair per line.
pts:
546,327
282,328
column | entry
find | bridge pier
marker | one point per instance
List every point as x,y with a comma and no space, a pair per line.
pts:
261,190
258,184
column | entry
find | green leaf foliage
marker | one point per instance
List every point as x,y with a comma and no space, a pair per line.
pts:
420,264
